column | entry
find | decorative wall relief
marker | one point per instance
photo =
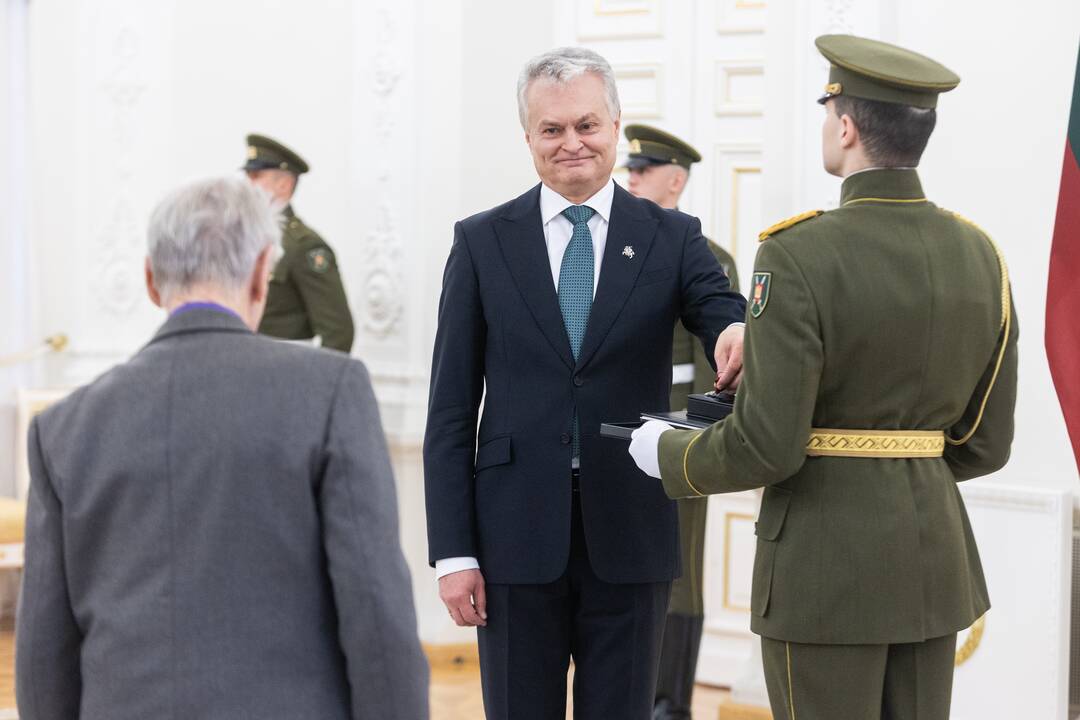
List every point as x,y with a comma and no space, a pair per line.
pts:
382,283
381,299
117,246
838,17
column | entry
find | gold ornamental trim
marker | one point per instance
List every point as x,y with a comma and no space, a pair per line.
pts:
826,442
971,642
785,224
685,465
1004,328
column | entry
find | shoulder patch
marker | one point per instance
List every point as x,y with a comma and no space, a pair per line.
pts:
785,224
319,260
759,295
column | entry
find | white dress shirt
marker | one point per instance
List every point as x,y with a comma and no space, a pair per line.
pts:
557,232
558,228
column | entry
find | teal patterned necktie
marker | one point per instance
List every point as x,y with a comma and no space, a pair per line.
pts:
576,276
576,286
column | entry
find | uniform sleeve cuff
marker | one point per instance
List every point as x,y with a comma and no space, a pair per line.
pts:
674,447
449,566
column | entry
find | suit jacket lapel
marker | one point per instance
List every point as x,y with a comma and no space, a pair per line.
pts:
521,237
628,227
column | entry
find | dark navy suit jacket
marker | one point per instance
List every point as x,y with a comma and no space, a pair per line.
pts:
503,495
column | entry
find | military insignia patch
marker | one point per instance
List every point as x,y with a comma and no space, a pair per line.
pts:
319,260
759,295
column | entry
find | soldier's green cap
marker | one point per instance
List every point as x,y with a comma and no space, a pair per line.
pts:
264,152
875,70
650,146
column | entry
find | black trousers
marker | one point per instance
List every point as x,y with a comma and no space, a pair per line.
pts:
612,632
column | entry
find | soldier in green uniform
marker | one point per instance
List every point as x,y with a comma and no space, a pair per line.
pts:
307,298
659,165
880,370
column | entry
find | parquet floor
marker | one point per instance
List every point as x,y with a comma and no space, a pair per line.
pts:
7,669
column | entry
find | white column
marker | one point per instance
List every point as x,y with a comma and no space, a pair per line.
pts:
16,306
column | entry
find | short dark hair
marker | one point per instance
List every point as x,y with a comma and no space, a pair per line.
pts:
894,135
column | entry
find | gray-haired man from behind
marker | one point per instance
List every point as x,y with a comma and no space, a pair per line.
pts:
207,538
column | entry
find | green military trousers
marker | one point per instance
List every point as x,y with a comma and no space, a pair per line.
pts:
860,682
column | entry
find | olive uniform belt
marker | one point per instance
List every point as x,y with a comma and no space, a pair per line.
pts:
828,442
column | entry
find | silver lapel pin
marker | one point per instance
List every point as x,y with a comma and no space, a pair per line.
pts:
628,251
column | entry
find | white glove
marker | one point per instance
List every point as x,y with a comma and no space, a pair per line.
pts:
645,446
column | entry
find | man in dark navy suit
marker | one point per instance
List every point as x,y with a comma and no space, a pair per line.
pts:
561,306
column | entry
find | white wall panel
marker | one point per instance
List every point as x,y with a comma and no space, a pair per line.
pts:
737,216
739,87
619,19
641,90
740,16
1025,541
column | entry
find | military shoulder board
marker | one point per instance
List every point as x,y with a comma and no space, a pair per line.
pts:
785,224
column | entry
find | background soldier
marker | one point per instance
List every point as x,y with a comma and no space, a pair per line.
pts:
880,369
307,298
659,165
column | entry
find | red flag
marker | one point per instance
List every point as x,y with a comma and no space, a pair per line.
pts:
1063,289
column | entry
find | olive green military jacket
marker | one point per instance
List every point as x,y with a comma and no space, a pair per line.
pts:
307,297
886,313
686,348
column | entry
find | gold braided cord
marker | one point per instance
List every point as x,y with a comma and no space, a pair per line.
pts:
828,442
1006,324
685,471
790,685
971,643
885,200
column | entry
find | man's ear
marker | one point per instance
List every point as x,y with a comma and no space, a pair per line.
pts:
288,184
849,132
151,290
678,181
259,285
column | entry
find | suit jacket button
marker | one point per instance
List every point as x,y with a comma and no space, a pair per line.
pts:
578,382
564,438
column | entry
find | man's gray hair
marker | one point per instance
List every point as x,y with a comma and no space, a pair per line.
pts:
210,232
562,65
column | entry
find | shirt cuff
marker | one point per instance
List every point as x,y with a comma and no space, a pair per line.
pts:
737,324
449,566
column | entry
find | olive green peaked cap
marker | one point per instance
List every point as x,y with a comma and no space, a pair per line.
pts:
650,146
264,152
875,70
